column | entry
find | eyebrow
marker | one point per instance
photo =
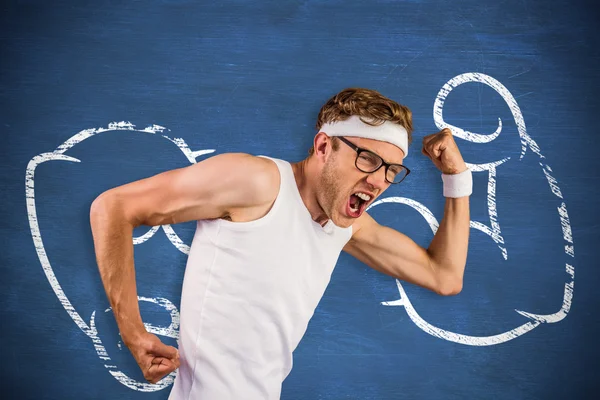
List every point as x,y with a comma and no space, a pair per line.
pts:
374,152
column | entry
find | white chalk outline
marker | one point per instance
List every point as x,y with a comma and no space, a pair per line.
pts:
494,232
91,331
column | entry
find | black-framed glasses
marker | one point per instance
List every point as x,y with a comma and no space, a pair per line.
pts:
369,162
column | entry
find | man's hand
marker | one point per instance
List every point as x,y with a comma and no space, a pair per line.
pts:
443,151
155,359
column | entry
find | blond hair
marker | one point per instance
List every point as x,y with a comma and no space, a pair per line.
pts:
372,107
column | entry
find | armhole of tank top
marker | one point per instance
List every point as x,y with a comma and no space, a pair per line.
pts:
269,215
210,229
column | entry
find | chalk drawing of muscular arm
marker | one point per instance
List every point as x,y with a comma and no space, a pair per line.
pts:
172,330
493,230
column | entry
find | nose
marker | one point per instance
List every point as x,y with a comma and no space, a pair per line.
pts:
377,179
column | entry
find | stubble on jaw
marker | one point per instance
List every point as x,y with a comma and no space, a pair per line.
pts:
330,188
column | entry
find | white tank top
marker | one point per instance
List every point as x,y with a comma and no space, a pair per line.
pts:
249,291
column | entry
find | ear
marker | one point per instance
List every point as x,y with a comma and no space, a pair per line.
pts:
323,146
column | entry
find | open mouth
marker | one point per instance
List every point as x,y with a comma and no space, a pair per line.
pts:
357,203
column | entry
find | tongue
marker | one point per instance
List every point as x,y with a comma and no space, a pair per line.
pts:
354,201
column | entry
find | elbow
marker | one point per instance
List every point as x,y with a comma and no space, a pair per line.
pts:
450,286
104,207
99,206
110,208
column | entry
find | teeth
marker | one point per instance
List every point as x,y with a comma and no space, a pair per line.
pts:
363,196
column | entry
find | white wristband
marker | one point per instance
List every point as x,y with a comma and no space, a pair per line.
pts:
458,185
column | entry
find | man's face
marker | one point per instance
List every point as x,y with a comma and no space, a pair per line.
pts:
344,191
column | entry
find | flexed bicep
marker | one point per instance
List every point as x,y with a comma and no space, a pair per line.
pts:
392,253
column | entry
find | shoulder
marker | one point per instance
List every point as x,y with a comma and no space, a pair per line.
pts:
238,165
266,178
262,173
254,179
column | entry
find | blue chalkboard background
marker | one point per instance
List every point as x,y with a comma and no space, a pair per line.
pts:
250,76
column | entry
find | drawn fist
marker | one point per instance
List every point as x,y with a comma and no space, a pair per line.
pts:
155,359
442,150
89,159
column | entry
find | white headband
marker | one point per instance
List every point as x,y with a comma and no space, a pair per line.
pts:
353,126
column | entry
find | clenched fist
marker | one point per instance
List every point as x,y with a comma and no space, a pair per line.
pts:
442,150
155,359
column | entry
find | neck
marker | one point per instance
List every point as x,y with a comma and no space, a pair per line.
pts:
304,173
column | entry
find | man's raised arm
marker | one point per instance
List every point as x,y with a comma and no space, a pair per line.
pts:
441,266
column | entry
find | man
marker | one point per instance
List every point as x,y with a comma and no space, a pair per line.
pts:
269,234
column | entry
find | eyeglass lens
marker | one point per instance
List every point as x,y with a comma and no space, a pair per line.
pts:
369,162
